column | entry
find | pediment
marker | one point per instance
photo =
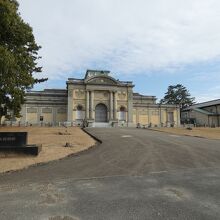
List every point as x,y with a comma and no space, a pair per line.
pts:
102,80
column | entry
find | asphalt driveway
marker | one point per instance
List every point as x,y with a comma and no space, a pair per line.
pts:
133,174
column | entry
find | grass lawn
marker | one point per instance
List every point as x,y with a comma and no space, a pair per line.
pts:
211,133
53,140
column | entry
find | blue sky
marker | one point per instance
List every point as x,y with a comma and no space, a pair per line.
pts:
152,43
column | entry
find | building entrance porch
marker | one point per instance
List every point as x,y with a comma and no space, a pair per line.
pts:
101,107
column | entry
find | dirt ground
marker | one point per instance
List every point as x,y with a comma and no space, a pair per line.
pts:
53,140
211,133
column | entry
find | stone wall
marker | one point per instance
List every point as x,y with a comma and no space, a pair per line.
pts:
155,116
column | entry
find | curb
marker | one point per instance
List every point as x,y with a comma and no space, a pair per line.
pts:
91,135
77,154
186,135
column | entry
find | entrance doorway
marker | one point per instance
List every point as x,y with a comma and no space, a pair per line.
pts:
101,113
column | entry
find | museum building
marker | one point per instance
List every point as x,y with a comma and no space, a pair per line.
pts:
98,100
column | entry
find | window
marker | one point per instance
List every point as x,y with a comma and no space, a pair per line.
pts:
122,114
170,117
46,110
61,110
31,110
79,108
79,112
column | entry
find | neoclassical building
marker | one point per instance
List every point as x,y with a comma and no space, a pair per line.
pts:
97,100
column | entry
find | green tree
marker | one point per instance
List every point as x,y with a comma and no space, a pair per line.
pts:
18,58
179,95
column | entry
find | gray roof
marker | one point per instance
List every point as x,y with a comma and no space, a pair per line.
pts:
138,95
203,111
204,104
48,92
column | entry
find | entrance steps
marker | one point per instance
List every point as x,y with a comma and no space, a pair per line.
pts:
101,125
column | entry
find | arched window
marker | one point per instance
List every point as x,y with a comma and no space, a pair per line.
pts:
79,108
79,112
122,113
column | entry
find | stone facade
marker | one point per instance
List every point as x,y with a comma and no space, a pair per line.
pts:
97,100
49,105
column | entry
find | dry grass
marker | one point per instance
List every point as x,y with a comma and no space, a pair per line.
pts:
53,140
211,133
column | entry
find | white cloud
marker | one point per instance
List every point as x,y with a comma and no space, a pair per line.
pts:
210,94
123,36
206,76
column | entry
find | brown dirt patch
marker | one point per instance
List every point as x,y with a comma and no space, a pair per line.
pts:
211,133
53,140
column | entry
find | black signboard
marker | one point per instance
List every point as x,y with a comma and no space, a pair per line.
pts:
13,139
41,118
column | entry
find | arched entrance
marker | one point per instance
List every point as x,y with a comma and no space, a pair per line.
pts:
101,113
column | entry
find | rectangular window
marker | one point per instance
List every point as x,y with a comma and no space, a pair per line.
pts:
46,110
31,110
61,110
170,117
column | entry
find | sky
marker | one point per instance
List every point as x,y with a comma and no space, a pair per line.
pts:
154,43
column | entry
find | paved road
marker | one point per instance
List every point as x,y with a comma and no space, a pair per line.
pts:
134,174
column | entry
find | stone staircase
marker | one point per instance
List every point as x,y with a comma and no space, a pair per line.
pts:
102,125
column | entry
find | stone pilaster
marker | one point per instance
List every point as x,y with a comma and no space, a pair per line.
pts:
87,104
92,105
115,105
162,116
130,106
178,116
54,112
70,105
111,106
149,115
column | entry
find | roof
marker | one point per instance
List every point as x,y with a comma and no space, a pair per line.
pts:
138,95
99,77
47,92
203,111
90,73
204,104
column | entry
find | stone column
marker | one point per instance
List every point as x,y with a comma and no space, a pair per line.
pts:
111,106
114,105
87,105
130,106
92,105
